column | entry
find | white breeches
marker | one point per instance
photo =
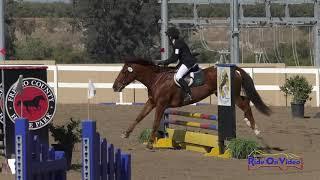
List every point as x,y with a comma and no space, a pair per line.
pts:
181,72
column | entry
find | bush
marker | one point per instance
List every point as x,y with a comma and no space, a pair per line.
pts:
241,148
33,49
67,55
38,9
145,135
67,134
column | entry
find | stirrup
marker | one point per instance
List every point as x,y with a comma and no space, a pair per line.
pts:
187,97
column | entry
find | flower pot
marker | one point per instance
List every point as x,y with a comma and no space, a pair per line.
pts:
67,151
297,110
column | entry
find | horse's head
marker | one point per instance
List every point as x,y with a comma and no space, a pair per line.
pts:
40,97
134,68
125,77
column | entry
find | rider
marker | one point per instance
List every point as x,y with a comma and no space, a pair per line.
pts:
182,53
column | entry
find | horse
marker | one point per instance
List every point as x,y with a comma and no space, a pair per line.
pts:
163,93
31,103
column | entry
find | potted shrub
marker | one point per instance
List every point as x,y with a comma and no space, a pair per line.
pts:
66,136
300,89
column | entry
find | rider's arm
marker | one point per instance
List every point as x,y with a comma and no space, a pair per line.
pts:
173,58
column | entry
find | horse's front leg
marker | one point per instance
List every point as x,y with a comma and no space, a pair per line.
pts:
145,111
158,116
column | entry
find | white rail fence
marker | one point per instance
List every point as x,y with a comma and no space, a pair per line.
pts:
109,68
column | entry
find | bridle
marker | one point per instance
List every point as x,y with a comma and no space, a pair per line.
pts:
126,73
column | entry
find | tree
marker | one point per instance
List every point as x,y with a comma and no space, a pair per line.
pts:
117,28
9,28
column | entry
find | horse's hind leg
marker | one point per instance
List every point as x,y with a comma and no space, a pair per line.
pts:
145,111
244,104
28,110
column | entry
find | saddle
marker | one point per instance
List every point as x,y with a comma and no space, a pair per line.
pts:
194,78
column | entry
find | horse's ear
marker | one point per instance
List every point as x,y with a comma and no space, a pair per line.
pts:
123,60
127,59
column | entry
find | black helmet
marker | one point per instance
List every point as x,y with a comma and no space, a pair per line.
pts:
173,33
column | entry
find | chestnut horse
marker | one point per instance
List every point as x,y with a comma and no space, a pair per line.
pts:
164,93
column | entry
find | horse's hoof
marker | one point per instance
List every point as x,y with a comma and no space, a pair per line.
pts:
247,122
150,146
257,132
150,150
125,135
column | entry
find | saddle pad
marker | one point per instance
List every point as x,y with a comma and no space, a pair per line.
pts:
198,79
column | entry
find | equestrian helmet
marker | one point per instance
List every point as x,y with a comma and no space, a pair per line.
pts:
173,32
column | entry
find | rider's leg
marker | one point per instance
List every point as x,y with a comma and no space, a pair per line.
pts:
180,73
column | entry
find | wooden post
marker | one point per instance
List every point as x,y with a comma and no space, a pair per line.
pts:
226,104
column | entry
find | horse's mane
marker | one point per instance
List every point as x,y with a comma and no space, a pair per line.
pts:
138,60
142,61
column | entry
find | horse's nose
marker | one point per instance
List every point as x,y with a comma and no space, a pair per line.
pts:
115,87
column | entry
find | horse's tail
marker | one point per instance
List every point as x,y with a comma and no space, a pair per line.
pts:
251,92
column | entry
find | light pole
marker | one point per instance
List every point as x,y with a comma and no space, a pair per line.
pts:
234,34
164,27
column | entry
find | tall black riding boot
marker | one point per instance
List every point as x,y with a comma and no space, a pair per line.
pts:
186,89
